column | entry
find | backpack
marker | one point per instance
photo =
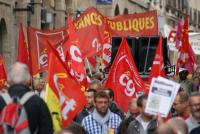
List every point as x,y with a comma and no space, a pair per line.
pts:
13,118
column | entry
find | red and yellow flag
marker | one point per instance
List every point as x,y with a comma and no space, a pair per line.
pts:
63,94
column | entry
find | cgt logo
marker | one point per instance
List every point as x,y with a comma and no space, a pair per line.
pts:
126,82
43,59
107,52
75,53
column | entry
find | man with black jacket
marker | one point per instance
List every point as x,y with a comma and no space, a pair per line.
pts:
143,123
39,117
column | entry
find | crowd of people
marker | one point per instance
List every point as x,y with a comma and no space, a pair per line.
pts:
101,114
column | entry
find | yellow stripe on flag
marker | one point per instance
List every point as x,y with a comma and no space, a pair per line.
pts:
54,107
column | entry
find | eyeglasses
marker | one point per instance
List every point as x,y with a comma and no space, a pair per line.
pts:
195,105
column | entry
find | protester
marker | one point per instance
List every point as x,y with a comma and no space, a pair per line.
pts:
186,84
101,120
194,104
73,128
196,81
195,130
173,126
95,84
181,105
132,114
89,107
113,105
39,86
144,123
39,117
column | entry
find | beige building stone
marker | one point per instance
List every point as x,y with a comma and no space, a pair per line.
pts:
51,14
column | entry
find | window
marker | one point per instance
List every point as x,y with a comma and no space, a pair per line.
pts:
117,10
161,4
125,11
190,16
199,19
195,17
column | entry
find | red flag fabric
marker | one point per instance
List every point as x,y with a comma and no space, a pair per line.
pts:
3,76
178,35
158,63
63,95
77,64
106,52
123,77
23,54
92,61
186,56
38,47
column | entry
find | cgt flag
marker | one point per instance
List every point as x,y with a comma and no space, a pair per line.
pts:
124,78
107,41
158,63
63,94
186,56
23,54
3,76
72,46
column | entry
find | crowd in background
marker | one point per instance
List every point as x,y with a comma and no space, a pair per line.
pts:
102,115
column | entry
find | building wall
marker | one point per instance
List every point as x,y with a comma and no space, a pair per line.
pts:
7,47
57,10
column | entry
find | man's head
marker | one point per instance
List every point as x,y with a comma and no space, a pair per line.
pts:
133,108
19,73
110,93
141,104
181,103
38,84
95,84
89,94
194,103
73,128
101,102
183,75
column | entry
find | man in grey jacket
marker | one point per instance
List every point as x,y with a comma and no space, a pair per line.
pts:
194,120
144,123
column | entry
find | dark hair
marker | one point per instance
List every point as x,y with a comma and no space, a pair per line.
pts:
98,82
101,94
74,128
140,100
110,92
91,90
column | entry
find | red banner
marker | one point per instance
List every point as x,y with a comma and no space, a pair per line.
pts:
90,27
38,47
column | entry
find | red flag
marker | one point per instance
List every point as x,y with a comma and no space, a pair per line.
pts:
178,35
186,57
123,77
158,63
106,52
23,54
3,76
38,47
63,95
92,61
75,55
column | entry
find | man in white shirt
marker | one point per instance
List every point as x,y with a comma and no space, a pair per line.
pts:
144,123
